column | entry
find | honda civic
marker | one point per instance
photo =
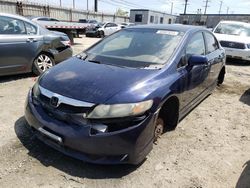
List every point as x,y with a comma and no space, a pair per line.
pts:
110,103
28,47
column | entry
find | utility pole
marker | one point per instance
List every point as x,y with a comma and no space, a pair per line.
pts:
207,1
74,4
87,5
172,5
96,5
185,9
227,10
220,6
60,3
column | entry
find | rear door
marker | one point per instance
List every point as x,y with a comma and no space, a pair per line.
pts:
19,44
114,28
215,57
110,28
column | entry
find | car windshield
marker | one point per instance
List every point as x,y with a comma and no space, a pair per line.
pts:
233,29
136,47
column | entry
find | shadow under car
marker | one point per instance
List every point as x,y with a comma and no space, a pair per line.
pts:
50,157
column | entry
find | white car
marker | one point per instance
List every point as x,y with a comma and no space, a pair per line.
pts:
235,38
109,28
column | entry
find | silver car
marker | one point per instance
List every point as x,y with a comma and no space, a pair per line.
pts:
27,47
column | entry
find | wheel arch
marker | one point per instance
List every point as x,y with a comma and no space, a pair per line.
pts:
39,53
169,111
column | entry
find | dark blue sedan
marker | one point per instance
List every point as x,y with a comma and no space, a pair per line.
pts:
110,103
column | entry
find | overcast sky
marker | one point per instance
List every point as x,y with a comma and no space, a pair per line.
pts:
235,6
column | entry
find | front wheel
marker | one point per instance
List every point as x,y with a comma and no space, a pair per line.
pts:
159,129
42,63
101,34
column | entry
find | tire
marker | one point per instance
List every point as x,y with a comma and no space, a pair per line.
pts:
102,34
221,76
42,63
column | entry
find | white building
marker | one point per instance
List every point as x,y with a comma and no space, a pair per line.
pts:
145,16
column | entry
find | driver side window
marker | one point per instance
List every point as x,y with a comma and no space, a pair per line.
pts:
196,46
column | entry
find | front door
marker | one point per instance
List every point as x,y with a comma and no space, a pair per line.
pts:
193,78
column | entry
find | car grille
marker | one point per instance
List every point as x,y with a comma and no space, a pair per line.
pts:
236,45
66,108
55,102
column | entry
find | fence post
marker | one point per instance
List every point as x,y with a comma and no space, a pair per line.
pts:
70,15
48,11
44,10
19,8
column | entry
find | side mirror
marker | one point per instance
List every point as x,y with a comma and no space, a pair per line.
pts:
197,60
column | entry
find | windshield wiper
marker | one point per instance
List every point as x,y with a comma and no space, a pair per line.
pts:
94,61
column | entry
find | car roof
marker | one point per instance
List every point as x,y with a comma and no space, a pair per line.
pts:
174,27
17,17
235,22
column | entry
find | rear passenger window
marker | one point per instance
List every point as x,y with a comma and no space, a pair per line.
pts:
196,45
212,43
108,25
31,29
11,26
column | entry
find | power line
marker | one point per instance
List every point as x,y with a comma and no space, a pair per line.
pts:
116,5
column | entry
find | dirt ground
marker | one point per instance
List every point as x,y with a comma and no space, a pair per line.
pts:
209,148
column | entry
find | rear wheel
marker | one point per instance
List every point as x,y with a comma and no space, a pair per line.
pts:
221,76
42,63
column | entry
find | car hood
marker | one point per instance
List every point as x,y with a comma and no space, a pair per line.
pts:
233,38
91,82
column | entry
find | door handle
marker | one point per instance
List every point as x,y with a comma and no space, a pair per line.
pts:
31,40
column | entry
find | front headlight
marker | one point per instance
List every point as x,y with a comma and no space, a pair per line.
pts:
120,110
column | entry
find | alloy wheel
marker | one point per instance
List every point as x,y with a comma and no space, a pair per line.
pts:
44,62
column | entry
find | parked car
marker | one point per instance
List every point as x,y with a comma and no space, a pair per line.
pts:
102,30
42,18
112,101
88,21
235,38
26,47
127,24
93,30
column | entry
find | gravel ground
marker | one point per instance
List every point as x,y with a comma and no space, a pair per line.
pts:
209,148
